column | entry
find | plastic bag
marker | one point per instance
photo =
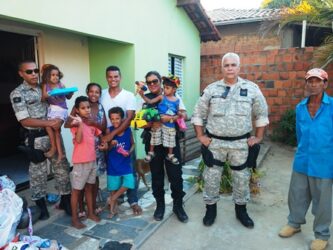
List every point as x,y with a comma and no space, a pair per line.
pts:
10,214
6,182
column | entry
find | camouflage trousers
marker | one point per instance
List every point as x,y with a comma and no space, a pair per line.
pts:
38,172
236,153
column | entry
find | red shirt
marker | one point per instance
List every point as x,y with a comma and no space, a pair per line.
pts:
85,151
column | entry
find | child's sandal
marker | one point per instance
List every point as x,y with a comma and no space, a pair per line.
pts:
173,159
82,215
149,157
98,210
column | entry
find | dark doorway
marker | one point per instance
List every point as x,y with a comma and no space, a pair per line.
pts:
13,49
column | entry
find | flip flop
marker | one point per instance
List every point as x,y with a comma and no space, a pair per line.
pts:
82,215
137,210
98,210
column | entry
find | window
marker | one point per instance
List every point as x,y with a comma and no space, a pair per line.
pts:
175,67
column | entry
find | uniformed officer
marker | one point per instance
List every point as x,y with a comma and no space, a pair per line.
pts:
31,112
228,106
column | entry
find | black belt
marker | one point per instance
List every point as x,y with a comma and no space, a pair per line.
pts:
225,138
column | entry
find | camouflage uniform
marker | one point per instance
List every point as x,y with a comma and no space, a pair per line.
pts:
26,102
230,116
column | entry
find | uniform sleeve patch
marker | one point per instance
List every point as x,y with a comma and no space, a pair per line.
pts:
17,99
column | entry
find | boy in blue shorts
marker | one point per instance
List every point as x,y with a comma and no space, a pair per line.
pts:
119,165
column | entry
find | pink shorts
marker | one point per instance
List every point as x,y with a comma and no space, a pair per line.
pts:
57,112
83,173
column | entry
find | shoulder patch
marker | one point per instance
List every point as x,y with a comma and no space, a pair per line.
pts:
17,99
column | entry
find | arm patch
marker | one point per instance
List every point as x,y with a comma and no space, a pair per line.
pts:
17,99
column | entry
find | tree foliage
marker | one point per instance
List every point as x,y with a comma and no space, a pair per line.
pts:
315,12
278,4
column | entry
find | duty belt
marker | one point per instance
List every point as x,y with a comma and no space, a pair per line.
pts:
233,138
225,138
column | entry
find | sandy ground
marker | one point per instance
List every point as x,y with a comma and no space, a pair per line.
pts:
269,211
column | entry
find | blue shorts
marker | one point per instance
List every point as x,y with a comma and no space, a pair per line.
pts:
115,182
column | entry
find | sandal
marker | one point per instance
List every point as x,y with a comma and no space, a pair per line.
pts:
98,210
149,157
172,158
137,210
82,215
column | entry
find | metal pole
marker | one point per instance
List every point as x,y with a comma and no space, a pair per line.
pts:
303,34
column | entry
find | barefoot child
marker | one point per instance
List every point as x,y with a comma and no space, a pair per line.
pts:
168,107
119,170
84,160
57,107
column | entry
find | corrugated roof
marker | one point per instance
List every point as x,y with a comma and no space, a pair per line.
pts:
234,16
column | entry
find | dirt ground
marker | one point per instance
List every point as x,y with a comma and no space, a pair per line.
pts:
269,211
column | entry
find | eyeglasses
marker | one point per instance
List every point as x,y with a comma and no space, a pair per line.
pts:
226,92
155,81
30,71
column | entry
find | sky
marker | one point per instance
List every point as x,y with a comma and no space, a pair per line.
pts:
230,4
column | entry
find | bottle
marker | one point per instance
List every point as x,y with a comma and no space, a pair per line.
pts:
141,85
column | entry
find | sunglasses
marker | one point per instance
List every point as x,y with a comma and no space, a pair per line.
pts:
155,81
30,71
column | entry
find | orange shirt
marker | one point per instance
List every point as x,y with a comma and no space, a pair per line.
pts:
85,151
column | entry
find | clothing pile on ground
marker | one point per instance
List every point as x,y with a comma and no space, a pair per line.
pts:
15,214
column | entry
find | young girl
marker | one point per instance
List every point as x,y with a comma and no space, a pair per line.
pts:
168,106
84,160
57,106
120,172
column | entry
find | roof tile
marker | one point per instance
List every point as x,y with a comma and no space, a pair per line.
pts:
232,16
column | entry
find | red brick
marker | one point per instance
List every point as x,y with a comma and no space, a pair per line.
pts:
289,66
282,93
288,84
287,58
270,101
279,84
284,75
300,74
299,93
292,75
298,66
272,92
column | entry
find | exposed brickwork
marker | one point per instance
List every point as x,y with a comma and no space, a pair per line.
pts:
279,73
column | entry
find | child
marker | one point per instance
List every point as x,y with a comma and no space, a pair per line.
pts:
84,160
168,107
119,170
98,120
57,106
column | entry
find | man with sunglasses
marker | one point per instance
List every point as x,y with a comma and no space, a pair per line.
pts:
228,105
115,96
31,112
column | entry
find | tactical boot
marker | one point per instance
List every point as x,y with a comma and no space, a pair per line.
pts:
210,215
179,210
44,214
65,204
160,209
243,217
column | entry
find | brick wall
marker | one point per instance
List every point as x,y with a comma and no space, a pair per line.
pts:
278,72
